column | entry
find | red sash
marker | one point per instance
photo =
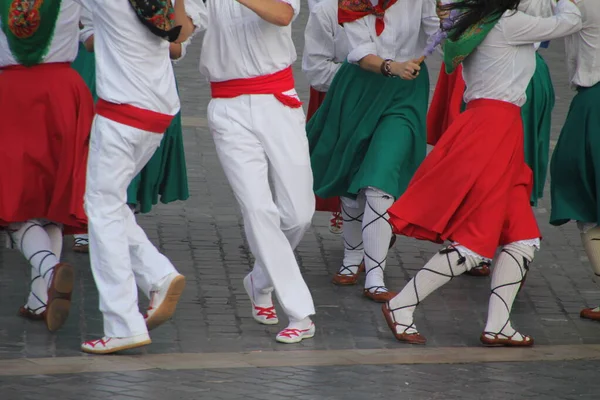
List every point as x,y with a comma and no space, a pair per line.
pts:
126,114
275,84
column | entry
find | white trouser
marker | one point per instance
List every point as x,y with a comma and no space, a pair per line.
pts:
263,149
120,252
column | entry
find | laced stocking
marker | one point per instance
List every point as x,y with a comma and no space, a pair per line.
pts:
32,240
352,213
441,269
510,269
376,233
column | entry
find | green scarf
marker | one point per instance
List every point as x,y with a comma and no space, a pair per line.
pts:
29,28
456,51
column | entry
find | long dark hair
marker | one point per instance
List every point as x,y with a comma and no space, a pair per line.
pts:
470,12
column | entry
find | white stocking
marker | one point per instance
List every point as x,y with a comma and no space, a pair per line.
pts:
590,238
510,269
32,240
55,233
376,233
352,213
441,269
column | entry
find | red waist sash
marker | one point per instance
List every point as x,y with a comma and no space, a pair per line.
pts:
140,118
275,84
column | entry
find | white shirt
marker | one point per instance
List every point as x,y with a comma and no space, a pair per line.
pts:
408,25
325,45
132,64
239,44
503,64
312,4
583,48
63,46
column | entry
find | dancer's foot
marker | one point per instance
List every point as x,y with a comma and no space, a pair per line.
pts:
403,332
297,332
591,313
263,310
348,275
379,294
336,223
109,345
81,244
515,339
164,297
34,315
59,296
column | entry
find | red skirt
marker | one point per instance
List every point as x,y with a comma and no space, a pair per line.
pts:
446,104
474,186
47,113
316,99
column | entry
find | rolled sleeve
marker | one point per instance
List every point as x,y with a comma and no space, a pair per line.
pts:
196,10
295,5
359,39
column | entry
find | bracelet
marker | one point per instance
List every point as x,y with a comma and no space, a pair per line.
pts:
386,68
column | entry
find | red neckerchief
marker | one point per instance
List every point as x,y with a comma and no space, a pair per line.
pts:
351,10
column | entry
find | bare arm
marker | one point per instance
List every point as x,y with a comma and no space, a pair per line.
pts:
183,20
175,51
408,70
89,44
276,12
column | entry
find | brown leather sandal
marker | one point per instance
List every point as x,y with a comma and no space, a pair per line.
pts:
411,338
482,270
30,314
378,295
589,313
500,339
348,279
59,296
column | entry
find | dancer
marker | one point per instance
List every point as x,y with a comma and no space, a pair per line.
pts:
447,104
257,123
368,137
485,203
165,175
325,49
137,102
46,117
574,167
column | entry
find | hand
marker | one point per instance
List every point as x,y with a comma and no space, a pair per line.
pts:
442,14
408,70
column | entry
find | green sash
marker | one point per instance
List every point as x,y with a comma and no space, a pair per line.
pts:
456,51
29,28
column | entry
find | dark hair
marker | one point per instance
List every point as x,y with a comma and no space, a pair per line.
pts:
470,12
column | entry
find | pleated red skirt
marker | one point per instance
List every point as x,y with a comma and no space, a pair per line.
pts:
446,104
474,187
316,99
47,113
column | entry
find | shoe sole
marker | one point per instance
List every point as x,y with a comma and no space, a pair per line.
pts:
284,341
117,349
169,304
260,321
59,302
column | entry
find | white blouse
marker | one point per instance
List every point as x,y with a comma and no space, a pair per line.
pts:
325,45
583,48
408,26
239,44
64,45
503,64
132,64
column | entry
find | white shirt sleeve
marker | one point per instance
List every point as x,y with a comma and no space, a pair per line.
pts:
295,5
430,22
88,26
360,41
319,51
521,28
196,10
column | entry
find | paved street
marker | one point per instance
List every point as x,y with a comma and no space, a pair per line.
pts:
213,349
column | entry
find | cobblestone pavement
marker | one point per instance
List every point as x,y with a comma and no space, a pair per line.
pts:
205,240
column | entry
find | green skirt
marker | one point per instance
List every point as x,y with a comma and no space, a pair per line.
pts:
575,165
165,175
369,132
537,117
